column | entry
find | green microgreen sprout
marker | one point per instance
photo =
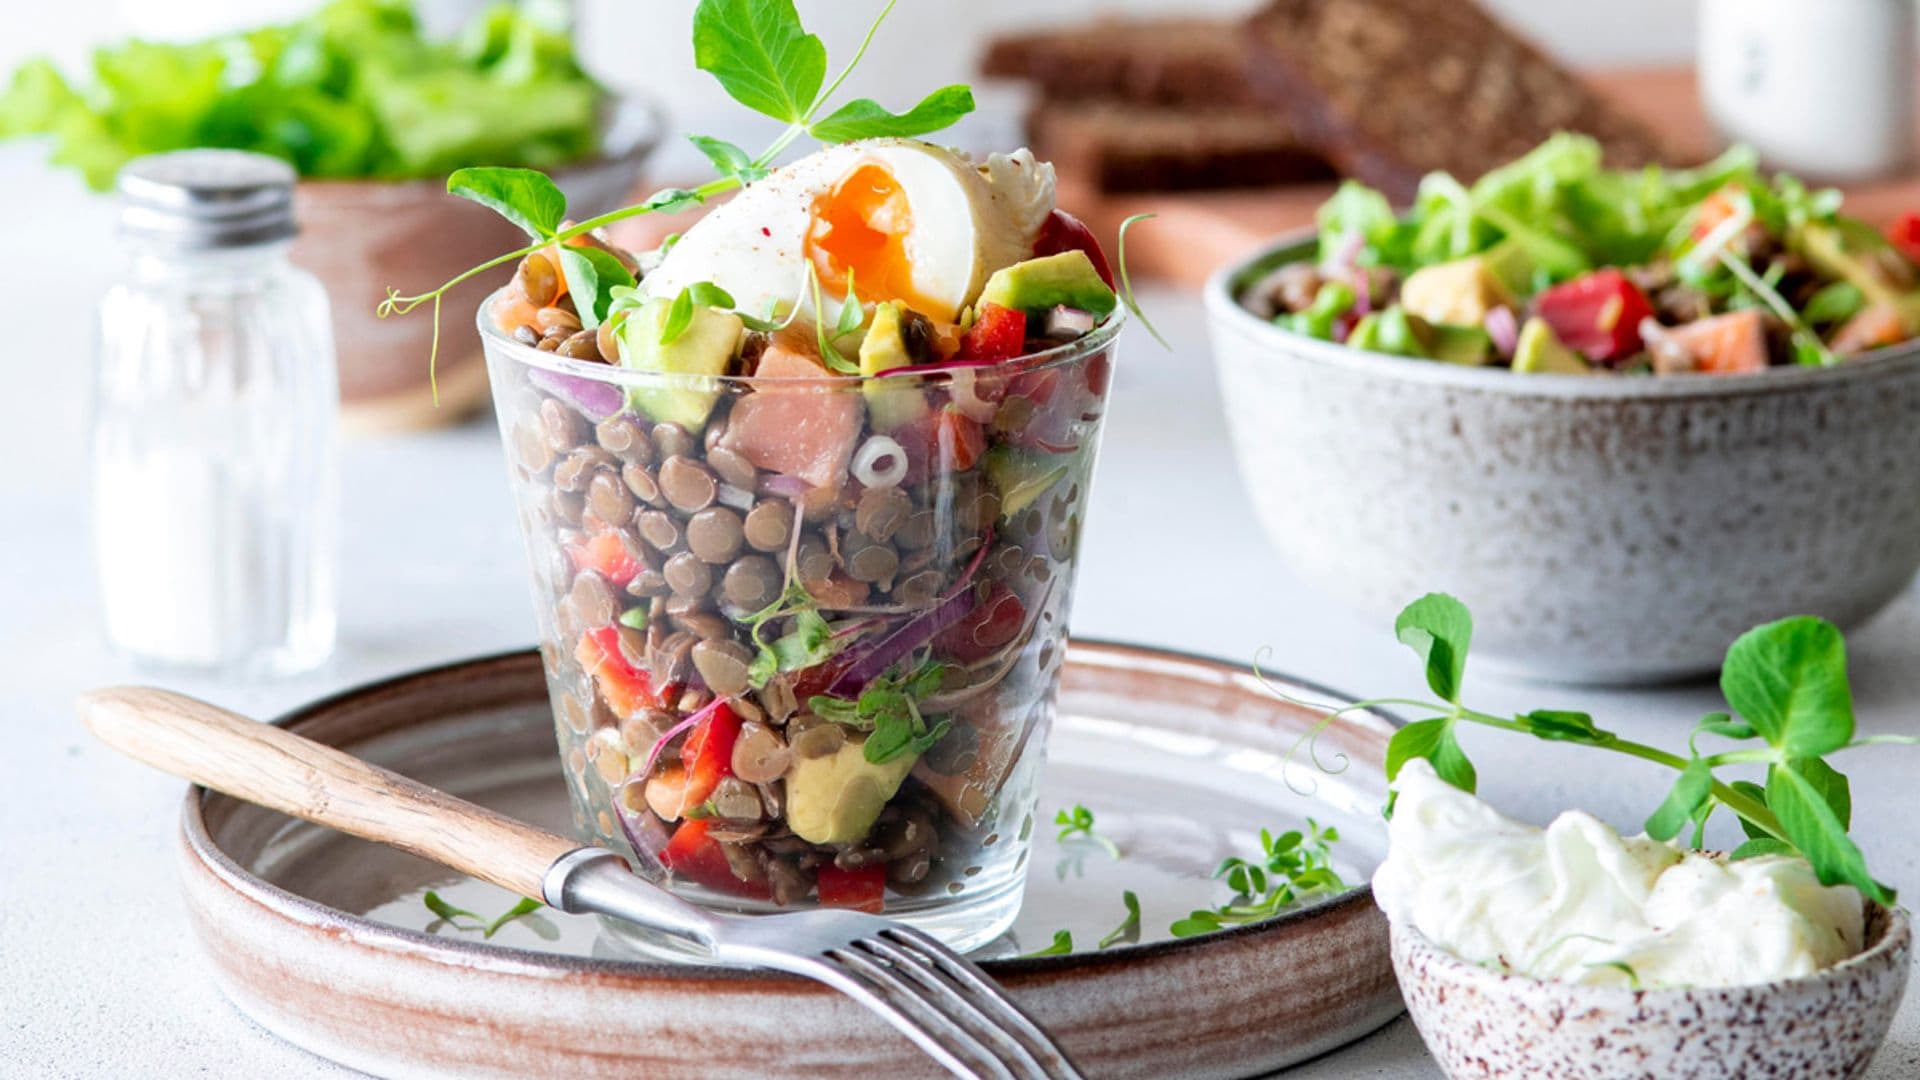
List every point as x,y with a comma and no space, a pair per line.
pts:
889,710
1062,945
1292,866
1128,932
474,923
634,618
1076,823
680,311
764,59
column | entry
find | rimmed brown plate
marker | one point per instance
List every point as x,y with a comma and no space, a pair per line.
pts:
325,940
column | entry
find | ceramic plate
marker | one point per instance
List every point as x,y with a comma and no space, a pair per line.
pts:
326,940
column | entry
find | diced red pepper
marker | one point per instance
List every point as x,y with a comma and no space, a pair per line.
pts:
625,688
605,554
1598,314
864,889
708,755
696,856
1904,234
998,333
960,440
989,627
1064,232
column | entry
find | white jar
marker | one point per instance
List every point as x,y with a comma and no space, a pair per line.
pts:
1818,87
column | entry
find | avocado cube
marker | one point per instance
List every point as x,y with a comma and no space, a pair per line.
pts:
835,799
1065,279
699,352
1539,351
885,347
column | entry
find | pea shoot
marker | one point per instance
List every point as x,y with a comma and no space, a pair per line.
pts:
1790,707
765,60
1061,946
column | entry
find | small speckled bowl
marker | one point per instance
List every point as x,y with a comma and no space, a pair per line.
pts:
1602,529
1482,1024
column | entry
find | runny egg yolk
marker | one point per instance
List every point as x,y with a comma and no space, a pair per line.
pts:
859,229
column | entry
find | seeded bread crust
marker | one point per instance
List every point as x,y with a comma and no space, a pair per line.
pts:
1125,148
1393,89
1194,62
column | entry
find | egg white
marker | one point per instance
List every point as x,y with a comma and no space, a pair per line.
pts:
967,222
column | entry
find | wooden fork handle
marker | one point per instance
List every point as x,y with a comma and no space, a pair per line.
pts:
275,768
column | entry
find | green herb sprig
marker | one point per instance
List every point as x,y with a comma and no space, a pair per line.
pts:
1062,945
1291,867
453,916
1076,823
1791,706
889,709
764,59
1128,932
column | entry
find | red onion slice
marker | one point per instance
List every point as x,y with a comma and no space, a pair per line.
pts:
786,487
694,718
596,400
1503,329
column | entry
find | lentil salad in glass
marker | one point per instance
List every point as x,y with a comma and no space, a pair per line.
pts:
803,490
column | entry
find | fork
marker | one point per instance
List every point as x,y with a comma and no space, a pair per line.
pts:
949,1008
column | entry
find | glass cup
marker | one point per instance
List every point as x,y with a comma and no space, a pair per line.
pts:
803,640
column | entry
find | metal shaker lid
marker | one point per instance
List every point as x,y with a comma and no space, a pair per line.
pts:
205,199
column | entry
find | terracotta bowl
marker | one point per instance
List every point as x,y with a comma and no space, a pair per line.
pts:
361,237
1602,529
1482,1024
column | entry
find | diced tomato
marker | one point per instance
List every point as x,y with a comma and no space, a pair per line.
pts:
1064,232
696,856
998,333
864,889
989,627
1714,210
605,554
1727,344
959,440
1876,326
1598,314
708,755
1904,234
625,688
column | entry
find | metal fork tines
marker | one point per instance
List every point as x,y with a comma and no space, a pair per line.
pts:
933,996
947,1006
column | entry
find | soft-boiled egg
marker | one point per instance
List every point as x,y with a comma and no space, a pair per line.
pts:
899,219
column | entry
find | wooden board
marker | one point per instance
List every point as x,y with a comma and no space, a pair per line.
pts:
1195,233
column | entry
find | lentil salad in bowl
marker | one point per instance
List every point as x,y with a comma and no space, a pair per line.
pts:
1617,526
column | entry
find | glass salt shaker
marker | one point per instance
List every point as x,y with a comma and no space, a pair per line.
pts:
215,410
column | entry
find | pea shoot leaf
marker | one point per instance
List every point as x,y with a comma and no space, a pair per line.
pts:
672,200
728,159
526,197
864,118
1789,680
1800,798
1438,627
1683,803
1433,740
1758,794
592,275
1760,845
761,55
1725,726
1563,726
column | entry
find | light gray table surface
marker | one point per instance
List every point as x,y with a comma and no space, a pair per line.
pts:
99,973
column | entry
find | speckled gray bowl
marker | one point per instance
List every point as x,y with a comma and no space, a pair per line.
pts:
1602,530
1484,1025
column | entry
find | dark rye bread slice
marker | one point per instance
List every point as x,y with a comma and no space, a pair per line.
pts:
1393,89
1172,61
1118,147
